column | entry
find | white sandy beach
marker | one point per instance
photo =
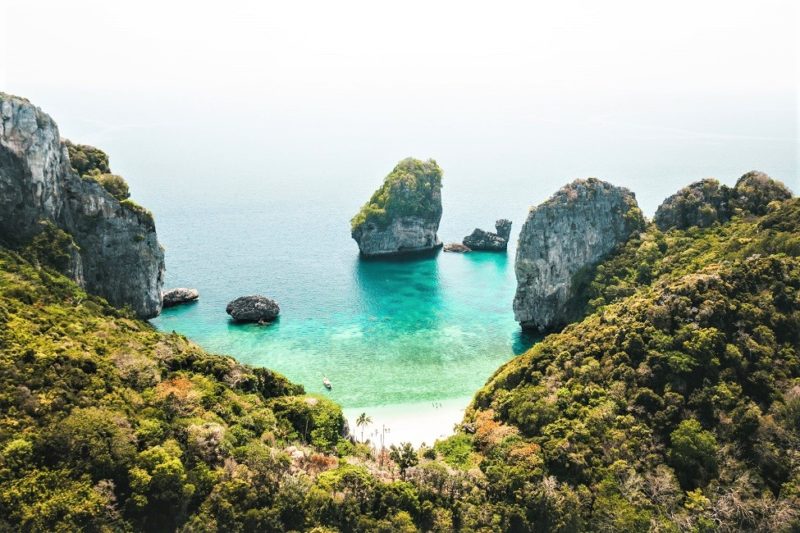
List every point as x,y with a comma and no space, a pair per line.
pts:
413,422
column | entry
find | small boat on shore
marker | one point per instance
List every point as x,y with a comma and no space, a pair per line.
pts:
327,383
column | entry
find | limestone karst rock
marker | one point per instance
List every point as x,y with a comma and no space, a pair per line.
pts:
402,216
572,231
487,241
503,228
118,255
254,308
456,247
179,296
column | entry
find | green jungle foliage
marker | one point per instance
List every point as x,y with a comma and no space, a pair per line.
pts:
412,188
107,424
115,185
53,248
87,160
707,201
91,163
143,214
674,405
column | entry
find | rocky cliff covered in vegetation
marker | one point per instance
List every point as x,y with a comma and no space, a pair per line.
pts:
673,405
402,216
707,202
106,243
107,424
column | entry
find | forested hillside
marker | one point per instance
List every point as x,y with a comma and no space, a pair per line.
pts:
674,405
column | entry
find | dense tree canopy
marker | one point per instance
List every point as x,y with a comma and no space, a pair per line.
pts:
673,405
667,404
87,160
91,163
408,190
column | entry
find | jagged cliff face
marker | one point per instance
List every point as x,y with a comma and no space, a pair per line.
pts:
403,215
118,255
562,237
31,160
485,240
402,235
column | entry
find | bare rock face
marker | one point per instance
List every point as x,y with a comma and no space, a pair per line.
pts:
492,242
456,247
179,296
402,236
402,216
253,309
503,228
572,231
119,257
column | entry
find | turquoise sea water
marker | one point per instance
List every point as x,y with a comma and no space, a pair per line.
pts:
384,332
411,333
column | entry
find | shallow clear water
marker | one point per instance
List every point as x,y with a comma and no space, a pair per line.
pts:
384,332
236,218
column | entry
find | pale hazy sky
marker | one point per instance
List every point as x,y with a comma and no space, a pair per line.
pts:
341,87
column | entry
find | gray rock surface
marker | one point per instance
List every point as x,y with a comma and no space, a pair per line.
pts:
403,235
179,296
456,247
120,258
503,228
573,230
402,216
487,241
253,308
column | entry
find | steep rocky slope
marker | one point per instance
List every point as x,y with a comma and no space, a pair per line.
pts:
115,253
561,238
675,405
107,424
402,216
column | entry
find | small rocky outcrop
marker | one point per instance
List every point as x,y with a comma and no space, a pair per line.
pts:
755,191
402,216
706,202
492,242
456,247
253,309
116,252
572,231
503,228
179,296
700,204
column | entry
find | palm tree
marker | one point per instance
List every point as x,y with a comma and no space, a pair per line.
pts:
362,421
